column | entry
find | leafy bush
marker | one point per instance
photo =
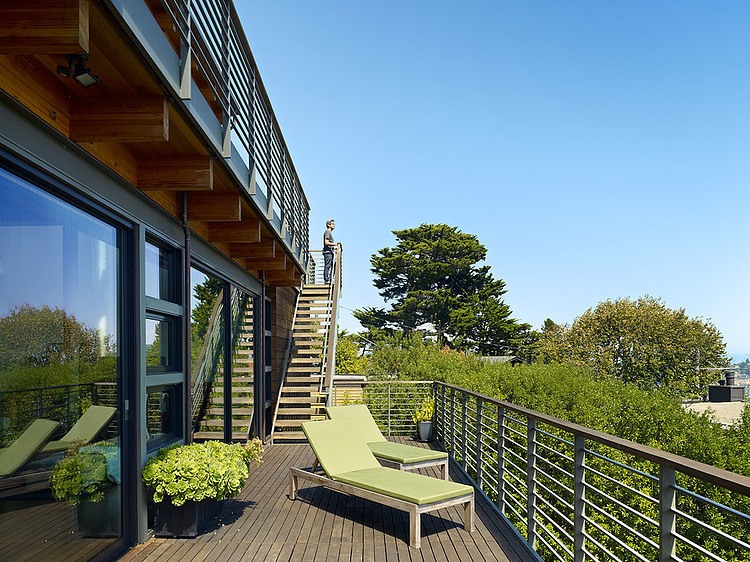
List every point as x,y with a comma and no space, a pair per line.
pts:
200,471
82,473
425,412
574,394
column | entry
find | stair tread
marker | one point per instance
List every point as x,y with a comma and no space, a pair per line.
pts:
235,411
218,436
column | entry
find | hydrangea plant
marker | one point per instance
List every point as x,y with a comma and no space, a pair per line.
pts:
83,473
200,471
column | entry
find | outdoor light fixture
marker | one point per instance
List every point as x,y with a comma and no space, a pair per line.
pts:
77,69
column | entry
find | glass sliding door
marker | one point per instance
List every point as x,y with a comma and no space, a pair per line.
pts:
207,334
60,423
243,364
223,370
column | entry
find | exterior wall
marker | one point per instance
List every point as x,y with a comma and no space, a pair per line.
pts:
283,302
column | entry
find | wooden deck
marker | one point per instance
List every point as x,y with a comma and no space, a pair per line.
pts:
321,525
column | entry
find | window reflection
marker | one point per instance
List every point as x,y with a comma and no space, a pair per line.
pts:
162,416
160,272
59,271
208,334
162,345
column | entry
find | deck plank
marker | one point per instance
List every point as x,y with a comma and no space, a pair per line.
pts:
262,523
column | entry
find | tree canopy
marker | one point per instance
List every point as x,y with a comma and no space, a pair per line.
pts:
31,336
642,342
433,277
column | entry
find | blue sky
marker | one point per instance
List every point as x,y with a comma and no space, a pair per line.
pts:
597,149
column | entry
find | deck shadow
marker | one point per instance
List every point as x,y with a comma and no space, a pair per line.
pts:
369,514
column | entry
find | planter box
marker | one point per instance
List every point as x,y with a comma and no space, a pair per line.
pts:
186,521
425,428
100,519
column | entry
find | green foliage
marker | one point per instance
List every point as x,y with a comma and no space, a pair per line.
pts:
36,337
199,471
431,277
82,473
425,412
348,360
641,342
573,393
206,294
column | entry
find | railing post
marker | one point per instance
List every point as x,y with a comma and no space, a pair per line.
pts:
531,481
389,409
442,414
667,519
227,116
186,53
579,496
464,400
453,422
479,443
501,458
68,421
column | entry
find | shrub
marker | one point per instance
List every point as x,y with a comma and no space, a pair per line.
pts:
200,471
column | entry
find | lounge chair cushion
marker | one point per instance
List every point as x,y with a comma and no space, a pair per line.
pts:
367,427
26,446
404,454
86,429
407,486
338,449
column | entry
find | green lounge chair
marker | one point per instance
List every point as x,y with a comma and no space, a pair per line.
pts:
18,453
85,430
351,468
394,455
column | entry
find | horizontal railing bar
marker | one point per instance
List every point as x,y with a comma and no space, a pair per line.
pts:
555,494
549,546
712,503
557,526
615,539
508,505
544,500
609,498
612,461
621,485
556,467
555,452
711,528
555,437
734,482
699,548
621,524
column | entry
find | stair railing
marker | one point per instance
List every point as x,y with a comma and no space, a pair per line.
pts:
202,375
287,358
329,349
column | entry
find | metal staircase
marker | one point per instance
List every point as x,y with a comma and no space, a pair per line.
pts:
210,425
310,360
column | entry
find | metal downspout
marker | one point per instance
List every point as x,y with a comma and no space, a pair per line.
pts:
188,419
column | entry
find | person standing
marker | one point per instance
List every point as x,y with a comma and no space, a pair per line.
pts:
329,250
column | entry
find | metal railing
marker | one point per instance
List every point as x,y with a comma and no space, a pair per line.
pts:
215,52
392,403
578,494
315,267
211,354
64,403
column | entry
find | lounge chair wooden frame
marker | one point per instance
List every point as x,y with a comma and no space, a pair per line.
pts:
415,511
351,468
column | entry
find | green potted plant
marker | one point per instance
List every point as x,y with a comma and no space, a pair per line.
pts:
86,477
423,418
189,483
